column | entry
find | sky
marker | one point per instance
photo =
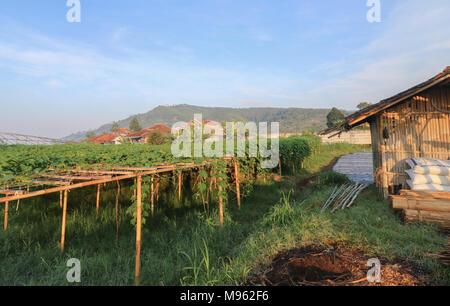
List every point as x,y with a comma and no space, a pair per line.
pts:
128,57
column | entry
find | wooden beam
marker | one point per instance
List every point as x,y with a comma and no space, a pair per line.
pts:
426,194
425,204
63,227
138,231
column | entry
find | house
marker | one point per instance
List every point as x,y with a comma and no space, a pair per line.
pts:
121,132
414,123
142,136
107,139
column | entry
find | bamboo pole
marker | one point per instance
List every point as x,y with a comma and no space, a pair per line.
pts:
134,191
127,175
117,212
180,178
157,191
220,203
60,199
5,225
98,197
63,227
152,188
18,203
238,190
138,230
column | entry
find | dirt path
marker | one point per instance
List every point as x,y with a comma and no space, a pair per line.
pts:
328,167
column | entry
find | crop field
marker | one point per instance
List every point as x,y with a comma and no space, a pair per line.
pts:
183,240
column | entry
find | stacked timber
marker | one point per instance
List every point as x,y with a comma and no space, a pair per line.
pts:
432,206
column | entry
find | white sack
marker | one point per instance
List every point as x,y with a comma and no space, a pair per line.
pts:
419,179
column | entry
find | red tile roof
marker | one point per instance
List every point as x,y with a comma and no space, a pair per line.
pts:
121,131
148,131
161,128
106,138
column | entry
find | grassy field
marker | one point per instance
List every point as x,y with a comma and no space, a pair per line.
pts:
184,245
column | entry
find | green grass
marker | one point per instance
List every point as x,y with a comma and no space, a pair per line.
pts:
186,246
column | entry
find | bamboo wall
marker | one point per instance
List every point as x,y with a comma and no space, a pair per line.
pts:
361,137
416,129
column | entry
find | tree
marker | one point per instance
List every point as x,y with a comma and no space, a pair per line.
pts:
114,126
134,125
157,138
90,135
334,117
363,105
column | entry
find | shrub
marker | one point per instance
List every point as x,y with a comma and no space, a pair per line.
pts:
157,138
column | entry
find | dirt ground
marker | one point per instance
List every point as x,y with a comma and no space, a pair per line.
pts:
302,184
335,266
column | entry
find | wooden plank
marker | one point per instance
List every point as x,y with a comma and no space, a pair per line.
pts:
401,202
426,194
430,216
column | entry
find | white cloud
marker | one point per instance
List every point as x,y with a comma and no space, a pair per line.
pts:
120,33
414,46
54,83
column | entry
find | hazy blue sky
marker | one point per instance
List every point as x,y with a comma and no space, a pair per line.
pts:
127,57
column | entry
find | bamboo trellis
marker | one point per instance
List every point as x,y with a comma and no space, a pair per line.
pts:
67,180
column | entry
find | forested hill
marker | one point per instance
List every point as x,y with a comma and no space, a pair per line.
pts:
291,119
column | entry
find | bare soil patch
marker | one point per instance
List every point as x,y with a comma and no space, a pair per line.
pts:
306,181
335,265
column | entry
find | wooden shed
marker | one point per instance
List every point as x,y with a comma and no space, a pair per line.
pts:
413,123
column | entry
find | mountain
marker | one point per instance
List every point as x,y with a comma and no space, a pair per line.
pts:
291,119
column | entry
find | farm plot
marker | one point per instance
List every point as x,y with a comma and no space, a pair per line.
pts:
29,172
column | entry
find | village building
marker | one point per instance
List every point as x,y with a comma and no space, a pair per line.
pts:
412,124
107,139
143,135
121,132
